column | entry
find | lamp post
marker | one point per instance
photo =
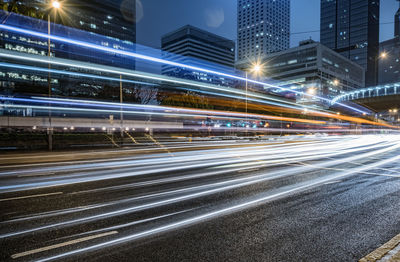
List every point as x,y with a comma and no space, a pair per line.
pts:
255,69
121,109
54,6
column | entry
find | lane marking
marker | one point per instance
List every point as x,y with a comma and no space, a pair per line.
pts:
31,196
34,251
333,182
383,253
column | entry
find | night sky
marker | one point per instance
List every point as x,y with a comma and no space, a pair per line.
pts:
158,17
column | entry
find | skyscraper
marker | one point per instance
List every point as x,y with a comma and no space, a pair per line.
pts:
263,27
194,46
351,28
105,23
397,23
112,18
389,66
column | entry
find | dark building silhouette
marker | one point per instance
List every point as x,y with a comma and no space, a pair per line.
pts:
389,66
193,46
397,23
103,23
351,28
112,18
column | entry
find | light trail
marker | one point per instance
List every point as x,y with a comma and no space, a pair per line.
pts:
153,77
54,71
162,111
289,190
167,203
227,158
160,61
236,183
190,112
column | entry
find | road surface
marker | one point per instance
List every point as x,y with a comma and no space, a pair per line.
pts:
303,199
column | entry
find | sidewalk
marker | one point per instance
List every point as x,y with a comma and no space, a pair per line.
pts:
389,252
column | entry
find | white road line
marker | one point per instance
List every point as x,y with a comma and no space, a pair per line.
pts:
34,251
31,196
333,182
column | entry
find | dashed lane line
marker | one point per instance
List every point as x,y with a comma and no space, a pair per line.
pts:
42,249
31,196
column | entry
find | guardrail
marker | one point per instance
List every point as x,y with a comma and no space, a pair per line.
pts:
377,91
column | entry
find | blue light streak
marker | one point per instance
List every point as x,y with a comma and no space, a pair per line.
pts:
46,70
160,61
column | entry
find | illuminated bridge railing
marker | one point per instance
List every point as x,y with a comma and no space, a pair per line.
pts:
377,91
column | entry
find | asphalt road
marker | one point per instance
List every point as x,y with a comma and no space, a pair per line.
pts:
309,199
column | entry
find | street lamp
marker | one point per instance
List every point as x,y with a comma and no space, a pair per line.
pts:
382,55
335,82
312,91
256,69
55,5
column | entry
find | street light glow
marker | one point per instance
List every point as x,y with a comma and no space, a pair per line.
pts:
256,68
312,91
383,55
56,4
335,82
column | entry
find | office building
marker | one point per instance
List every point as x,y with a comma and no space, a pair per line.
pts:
351,28
310,68
263,27
32,79
115,19
193,46
397,23
389,64
389,67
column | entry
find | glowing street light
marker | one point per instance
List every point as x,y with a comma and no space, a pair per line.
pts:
56,4
256,68
312,91
335,82
383,55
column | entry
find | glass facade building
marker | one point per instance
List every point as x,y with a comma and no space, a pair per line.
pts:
193,46
397,23
263,27
311,68
389,66
112,18
351,28
30,78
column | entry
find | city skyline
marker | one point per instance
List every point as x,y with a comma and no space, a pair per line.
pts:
219,17
139,130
